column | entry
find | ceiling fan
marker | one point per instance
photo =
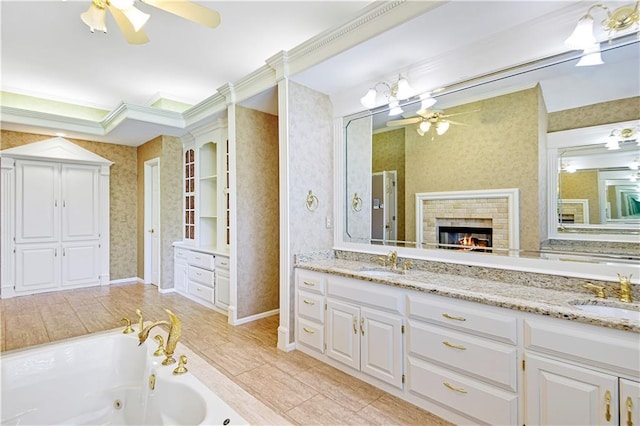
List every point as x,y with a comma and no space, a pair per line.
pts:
428,120
131,20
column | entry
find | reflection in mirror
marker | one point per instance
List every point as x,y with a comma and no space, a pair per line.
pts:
598,185
486,167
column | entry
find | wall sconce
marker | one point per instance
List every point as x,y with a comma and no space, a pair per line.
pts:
623,135
583,37
394,93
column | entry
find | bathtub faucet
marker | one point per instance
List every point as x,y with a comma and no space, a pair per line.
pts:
175,331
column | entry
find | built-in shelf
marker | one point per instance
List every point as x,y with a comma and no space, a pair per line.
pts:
212,177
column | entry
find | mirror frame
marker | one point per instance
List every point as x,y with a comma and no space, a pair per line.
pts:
556,141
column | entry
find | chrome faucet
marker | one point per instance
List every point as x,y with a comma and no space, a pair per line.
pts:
393,260
625,288
175,331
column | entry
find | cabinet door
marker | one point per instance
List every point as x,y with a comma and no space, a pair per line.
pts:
222,290
343,333
381,345
180,276
80,264
562,394
79,202
37,201
37,266
629,402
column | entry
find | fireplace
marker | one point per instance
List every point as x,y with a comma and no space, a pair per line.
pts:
465,238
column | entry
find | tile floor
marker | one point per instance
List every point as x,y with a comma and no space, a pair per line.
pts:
296,386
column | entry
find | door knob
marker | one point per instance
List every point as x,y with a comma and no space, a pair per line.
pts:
151,230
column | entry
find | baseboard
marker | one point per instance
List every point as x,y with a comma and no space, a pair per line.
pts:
239,321
166,290
127,281
283,340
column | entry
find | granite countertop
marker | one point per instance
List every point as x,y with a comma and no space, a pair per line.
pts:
543,301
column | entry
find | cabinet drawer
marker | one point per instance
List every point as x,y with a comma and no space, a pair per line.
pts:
222,262
487,360
201,276
201,260
310,281
587,344
465,316
311,334
470,398
180,253
311,306
201,291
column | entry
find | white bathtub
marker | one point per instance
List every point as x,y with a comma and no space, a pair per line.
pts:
103,379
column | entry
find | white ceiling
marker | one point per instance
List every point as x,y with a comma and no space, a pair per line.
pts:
47,52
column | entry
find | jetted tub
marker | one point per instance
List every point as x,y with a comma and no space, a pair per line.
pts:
104,379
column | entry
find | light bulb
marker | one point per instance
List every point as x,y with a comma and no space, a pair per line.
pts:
121,4
95,17
425,126
394,108
369,100
404,90
442,127
590,56
582,36
426,101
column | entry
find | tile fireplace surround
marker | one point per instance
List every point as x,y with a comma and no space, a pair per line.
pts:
495,209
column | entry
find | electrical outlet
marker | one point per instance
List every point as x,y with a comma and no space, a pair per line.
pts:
327,222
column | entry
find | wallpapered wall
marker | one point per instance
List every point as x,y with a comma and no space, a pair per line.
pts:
388,154
582,184
497,148
257,212
170,204
310,161
122,197
593,115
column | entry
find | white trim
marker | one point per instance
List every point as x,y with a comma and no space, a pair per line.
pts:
232,311
167,290
286,258
132,280
148,165
255,317
511,194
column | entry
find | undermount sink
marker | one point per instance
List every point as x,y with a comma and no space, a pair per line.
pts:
611,311
378,272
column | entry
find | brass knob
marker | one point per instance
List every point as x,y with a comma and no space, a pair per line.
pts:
181,369
128,329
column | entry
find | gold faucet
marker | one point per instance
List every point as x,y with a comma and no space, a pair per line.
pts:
406,265
175,331
625,288
393,260
597,290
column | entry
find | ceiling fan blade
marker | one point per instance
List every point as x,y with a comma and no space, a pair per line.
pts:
188,10
460,113
457,123
132,36
403,122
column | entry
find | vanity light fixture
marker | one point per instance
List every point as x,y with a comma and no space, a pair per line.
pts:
394,93
623,135
583,37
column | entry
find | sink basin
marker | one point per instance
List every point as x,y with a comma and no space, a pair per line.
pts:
611,311
378,272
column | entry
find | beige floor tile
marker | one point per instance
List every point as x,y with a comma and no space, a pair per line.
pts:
321,410
277,388
389,410
64,326
348,391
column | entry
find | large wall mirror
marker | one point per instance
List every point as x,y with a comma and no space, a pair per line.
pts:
472,172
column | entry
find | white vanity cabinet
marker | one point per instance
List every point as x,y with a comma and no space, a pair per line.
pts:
580,374
310,311
180,270
463,355
222,282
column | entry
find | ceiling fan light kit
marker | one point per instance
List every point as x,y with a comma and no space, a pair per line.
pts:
131,20
583,37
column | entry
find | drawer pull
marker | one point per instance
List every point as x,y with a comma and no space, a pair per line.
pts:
453,388
309,284
629,412
309,302
197,258
308,330
451,345
199,274
454,318
607,398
